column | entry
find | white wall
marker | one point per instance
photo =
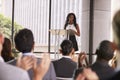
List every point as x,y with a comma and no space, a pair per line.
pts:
115,6
85,26
102,22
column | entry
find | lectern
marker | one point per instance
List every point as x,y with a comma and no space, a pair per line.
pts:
57,33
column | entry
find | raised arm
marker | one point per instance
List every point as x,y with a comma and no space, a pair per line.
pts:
41,69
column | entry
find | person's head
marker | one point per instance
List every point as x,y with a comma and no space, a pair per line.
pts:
6,51
105,50
24,40
116,28
66,47
71,18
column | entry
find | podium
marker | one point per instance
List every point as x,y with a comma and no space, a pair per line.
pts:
57,33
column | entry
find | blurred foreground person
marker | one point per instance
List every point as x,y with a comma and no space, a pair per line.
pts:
8,72
87,74
116,30
65,66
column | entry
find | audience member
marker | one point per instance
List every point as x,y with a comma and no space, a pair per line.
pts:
24,42
87,74
104,53
65,66
6,51
8,72
116,29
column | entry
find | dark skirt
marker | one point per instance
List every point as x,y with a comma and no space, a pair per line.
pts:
73,39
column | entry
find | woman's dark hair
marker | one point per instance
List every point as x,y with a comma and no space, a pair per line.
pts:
6,51
67,19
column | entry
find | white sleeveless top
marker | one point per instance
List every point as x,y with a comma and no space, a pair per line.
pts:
71,26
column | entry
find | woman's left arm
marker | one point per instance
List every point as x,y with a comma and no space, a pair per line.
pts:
78,30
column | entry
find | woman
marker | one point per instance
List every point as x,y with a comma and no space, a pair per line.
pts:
72,29
6,51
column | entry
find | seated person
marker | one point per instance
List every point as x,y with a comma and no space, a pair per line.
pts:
24,42
65,66
105,52
6,51
8,72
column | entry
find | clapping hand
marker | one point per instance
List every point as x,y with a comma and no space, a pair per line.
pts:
25,62
41,69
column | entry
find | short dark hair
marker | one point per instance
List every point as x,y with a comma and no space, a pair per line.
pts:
66,47
105,50
24,40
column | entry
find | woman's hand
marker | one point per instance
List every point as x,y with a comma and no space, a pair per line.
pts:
81,58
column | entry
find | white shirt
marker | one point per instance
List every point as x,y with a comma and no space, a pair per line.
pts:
28,54
71,26
1,59
66,57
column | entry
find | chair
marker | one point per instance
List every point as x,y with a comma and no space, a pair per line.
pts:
61,78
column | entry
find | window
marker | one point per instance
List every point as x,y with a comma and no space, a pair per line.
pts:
34,14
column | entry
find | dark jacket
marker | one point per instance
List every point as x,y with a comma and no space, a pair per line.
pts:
103,70
64,67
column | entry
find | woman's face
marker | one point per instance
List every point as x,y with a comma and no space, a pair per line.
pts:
71,18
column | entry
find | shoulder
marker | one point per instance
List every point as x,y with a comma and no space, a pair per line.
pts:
12,68
12,62
116,76
55,61
95,65
12,72
77,26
